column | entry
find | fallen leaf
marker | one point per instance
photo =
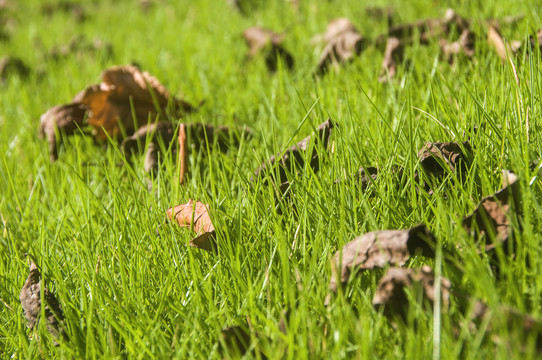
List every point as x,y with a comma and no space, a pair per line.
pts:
390,293
260,40
77,11
195,215
434,157
366,176
393,55
464,45
31,301
502,48
379,249
294,156
61,119
235,341
81,47
110,103
491,219
343,42
12,65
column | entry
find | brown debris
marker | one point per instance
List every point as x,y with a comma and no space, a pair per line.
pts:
61,119
491,219
77,11
10,65
195,215
502,48
235,341
379,249
393,55
31,301
343,42
81,47
464,45
294,156
390,292
450,154
260,40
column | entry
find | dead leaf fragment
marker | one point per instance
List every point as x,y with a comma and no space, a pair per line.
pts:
61,119
260,40
393,55
379,249
235,341
12,65
343,42
31,302
390,293
77,11
491,219
433,156
110,103
195,215
464,45
502,48
294,156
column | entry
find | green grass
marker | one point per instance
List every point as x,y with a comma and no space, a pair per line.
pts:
127,293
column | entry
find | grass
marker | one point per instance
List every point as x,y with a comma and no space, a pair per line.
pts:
127,293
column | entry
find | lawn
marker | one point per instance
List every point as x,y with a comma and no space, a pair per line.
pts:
90,218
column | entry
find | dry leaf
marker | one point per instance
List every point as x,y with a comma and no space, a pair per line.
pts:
465,45
110,102
294,156
379,249
81,47
72,8
390,293
503,49
10,65
31,301
195,215
343,42
61,119
235,341
450,154
491,219
393,55
265,41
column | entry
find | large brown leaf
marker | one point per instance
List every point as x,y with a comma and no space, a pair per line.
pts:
434,156
379,249
195,216
343,42
110,103
32,300
267,42
491,219
390,293
294,156
61,119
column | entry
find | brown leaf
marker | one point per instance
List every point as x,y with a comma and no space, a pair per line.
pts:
343,42
464,45
31,301
235,341
294,157
195,215
390,293
110,102
10,65
77,11
491,219
260,40
61,119
450,154
81,47
379,249
392,56
502,48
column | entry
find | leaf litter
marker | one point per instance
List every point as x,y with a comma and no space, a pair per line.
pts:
269,44
194,215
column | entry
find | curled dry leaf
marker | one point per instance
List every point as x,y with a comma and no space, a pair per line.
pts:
260,40
434,157
393,55
31,301
343,42
465,45
61,119
379,249
502,48
491,219
195,215
294,156
110,103
390,293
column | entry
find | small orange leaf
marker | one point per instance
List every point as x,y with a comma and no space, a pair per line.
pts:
195,215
